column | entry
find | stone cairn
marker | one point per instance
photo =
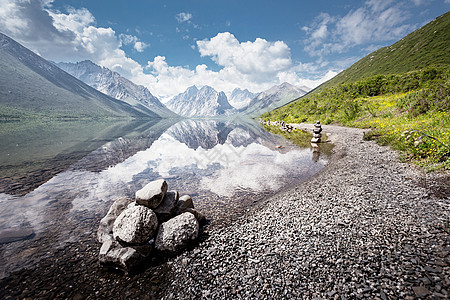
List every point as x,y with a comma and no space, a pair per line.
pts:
156,219
317,135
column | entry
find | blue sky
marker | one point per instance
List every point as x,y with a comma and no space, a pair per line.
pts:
168,46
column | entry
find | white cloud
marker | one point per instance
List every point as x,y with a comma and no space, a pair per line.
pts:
128,39
376,21
183,17
140,46
258,59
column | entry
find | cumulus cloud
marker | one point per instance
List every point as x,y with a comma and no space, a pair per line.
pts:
128,39
258,60
183,17
376,21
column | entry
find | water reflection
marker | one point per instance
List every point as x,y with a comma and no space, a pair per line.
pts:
225,166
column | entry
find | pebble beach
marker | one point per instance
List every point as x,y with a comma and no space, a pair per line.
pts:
367,226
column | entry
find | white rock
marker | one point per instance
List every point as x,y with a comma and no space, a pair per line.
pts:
105,229
152,193
177,233
135,225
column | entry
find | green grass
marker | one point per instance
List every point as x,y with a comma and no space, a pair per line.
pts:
409,111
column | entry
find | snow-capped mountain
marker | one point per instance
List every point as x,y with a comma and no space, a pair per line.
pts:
272,98
114,85
204,102
240,98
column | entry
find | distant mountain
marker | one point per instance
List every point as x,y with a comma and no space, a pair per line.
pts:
116,86
272,98
240,98
427,46
32,87
204,102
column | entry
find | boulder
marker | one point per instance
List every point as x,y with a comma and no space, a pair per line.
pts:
105,229
167,208
177,233
135,225
125,258
152,194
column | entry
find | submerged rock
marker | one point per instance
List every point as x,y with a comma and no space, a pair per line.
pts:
177,233
105,229
152,194
135,225
15,234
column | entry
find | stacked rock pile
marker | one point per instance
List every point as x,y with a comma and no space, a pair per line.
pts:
317,135
156,219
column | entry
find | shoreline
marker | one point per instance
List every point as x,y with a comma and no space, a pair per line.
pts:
363,227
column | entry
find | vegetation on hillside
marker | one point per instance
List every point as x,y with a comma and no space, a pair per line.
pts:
410,111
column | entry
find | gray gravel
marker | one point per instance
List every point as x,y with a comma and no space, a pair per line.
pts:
367,226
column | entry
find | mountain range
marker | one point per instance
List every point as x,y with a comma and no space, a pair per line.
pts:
32,87
114,85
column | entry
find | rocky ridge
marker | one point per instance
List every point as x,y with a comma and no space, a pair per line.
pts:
363,228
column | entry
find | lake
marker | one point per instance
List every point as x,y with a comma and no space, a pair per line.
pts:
58,179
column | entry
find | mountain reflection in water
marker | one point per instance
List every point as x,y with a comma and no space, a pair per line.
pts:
225,166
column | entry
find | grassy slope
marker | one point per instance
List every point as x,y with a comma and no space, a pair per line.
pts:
401,92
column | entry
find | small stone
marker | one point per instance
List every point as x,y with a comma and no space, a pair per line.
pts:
184,202
152,194
420,291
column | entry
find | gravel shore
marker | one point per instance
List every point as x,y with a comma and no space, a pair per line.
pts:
367,226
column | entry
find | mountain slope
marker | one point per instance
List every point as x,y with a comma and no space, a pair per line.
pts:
204,102
116,86
32,87
428,45
272,98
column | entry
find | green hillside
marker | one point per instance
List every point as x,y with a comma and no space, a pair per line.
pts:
31,87
401,92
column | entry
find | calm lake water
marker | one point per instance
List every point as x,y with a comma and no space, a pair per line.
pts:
58,179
